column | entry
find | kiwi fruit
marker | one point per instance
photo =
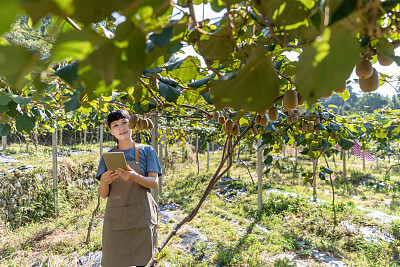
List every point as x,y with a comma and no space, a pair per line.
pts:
254,130
216,115
341,89
304,127
132,121
150,124
273,113
235,130
264,121
317,121
296,111
209,117
258,119
289,119
370,84
221,120
300,100
290,112
290,99
328,95
229,125
299,126
144,124
139,124
295,117
317,131
311,126
384,61
263,112
364,69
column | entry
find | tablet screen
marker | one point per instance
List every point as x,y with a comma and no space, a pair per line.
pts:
115,160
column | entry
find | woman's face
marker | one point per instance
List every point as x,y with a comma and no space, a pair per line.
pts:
120,129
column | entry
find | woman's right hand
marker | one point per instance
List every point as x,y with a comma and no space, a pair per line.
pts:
108,177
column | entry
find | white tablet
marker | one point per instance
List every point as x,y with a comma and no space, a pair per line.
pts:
115,160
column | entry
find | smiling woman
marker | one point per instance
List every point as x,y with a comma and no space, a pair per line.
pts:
130,221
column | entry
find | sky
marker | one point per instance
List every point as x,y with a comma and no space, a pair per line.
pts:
386,89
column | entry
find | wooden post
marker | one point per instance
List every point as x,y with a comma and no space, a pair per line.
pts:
165,155
4,141
315,179
154,142
208,156
295,156
160,155
363,153
212,146
377,160
60,137
344,166
260,173
84,136
101,137
55,179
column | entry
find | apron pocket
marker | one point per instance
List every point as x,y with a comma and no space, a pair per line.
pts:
126,218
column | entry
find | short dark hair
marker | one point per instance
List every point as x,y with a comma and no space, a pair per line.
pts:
117,115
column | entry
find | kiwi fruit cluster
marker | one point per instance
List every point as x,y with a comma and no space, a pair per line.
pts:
228,124
369,77
138,123
310,125
292,115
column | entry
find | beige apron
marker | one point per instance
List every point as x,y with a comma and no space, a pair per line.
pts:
130,222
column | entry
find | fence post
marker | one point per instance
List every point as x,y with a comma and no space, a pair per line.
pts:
4,141
315,179
84,136
154,142
165,155
101,137
55,178
344,166
208,156
259,172
363,153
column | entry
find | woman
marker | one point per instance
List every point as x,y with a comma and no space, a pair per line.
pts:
130,220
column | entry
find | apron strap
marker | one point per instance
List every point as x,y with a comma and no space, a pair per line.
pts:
136,151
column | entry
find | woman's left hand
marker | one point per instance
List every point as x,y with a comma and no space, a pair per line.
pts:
128,174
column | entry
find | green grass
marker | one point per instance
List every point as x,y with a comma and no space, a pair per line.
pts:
235,230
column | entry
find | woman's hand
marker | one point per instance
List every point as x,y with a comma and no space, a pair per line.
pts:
128,174
108,177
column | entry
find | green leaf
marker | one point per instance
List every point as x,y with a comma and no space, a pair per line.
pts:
89,11
335,126
173,64
37,9
218,45
24,123
346,7
68,73
345,95
300,139
73,103
15,63
22,100
73,44
207,97
384,47
5,129
327,170
5,98
197,84
188,69
170,93
322,176
8,13
4,108
284,13
346,144
326,65
321,127
163,38
153,71
103,60
254,87
268,160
